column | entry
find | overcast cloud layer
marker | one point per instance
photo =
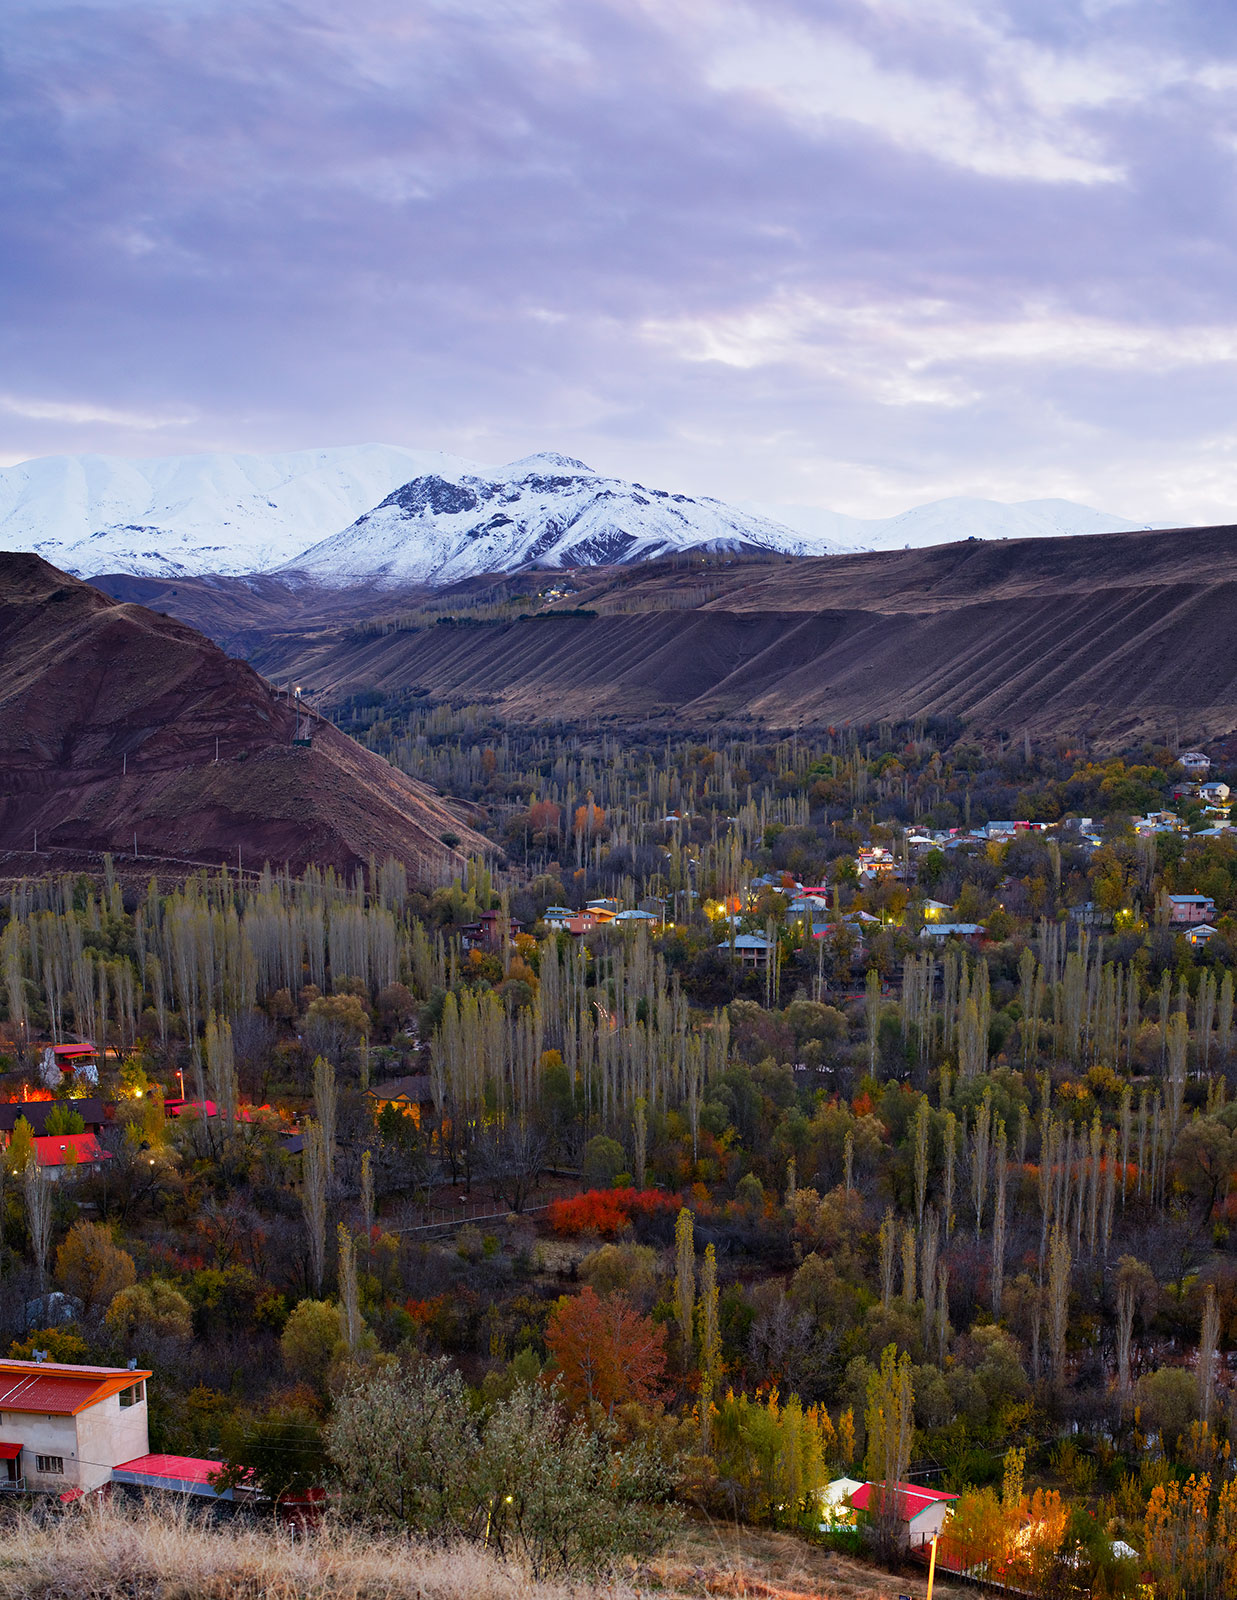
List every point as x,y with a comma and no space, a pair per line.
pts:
855,253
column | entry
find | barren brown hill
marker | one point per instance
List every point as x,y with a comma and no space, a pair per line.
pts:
110,721
1113,636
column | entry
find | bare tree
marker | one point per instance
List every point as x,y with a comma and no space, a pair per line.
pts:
38,1189
367,1192
1209,1340
512,1158
325,1108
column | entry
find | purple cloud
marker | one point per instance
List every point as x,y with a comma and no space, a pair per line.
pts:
858,253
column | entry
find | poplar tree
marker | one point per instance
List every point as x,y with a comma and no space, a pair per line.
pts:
1060,1263
348,1299
685,1274
313,1197
888,1251
998,1221
710,1342
889,1417
921,1127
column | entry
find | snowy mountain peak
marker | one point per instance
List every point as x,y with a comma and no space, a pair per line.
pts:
545,461
387,515
546,510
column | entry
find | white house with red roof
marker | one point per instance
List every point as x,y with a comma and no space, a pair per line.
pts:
68,1155
921,1512
64,1428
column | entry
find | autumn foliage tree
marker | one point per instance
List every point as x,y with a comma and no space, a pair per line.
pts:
91,1265
605,1353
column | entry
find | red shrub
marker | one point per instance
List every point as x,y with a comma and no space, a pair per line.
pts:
608,1212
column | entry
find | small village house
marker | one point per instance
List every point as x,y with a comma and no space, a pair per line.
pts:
64,1428
1187,908
748,949
412,1095
1195,763
68,1155
921,1513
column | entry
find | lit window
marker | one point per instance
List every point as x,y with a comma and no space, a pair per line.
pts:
50,1464
133,1395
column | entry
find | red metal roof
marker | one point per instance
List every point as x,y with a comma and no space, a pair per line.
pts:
185,1469
9,1452
59,1391
52,1149
912,1499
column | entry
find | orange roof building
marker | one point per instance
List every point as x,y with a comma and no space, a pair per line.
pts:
63,1428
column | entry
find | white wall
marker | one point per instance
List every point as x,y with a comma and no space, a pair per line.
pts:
91,1444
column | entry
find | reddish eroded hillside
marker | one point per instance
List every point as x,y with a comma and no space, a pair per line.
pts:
109,717
1116,637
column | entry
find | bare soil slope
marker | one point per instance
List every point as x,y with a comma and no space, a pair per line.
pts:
1116,637
109,717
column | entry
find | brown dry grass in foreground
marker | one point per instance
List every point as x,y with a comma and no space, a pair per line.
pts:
159,1551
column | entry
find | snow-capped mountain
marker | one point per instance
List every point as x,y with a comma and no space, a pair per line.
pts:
386,515
175,515
943,521
545,510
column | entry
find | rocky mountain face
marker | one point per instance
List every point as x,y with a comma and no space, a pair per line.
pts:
547,511
123,730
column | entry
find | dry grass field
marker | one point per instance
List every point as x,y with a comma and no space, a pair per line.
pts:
160,1552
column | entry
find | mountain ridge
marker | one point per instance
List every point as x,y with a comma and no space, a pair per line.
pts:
394,516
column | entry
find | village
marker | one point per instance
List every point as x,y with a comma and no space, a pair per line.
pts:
817,1143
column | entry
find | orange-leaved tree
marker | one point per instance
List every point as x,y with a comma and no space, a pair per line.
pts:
605,1353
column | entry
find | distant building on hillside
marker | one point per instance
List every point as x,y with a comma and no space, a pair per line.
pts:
1194,762
1187,908
749,949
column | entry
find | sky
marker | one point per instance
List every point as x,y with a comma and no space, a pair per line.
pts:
849,253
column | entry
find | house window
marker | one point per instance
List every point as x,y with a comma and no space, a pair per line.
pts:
133,1395
52,1465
